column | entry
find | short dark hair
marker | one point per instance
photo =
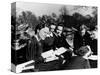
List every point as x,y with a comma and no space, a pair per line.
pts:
61,24
39,27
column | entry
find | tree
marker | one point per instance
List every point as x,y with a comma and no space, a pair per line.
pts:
64,11
29,18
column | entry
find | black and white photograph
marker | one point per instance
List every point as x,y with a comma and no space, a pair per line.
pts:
53,37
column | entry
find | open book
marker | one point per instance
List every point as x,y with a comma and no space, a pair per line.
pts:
51,54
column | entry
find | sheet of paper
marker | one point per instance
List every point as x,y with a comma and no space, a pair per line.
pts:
93,57
60,51
51,59
47,54
21,67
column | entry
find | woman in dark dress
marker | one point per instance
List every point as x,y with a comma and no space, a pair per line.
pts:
35,45
36,49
